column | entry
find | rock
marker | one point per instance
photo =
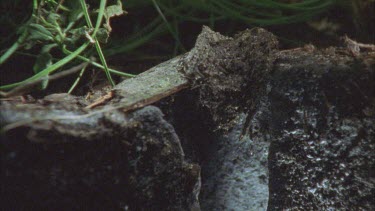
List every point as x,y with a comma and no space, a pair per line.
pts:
315,109
132,161
323,133
236,174
234,166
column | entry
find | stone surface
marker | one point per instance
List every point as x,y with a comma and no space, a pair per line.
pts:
322,123
132,161
316,108
212,121
236,174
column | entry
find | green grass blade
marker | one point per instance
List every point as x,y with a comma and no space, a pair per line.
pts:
97,45
235,14
104,62
100,16
77,80
177,12
21,39
248,10
170,28
302,6
14,47
128,45
66,51
86,13
49,69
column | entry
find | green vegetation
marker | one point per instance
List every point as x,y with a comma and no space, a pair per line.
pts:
65,35
68,26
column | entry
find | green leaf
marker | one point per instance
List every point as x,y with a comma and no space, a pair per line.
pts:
40,28
44,84
78,33
47,48
54,18
75,12
102,35
43,61
39,32
112,11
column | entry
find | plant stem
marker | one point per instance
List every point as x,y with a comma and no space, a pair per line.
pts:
77,80
14,47
100,16
21,39
86,13
104,62
49,69
97,45
66,51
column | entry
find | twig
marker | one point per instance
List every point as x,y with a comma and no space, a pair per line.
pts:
355,47
101,100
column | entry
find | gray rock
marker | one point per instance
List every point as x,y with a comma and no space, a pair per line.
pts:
131,162
323,133
236,174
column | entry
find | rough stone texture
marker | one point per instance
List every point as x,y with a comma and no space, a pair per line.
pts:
317,110
322,121
234,167
132,161
230,76
236,174
231,72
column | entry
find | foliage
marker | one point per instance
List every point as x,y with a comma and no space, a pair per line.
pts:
66,26
171,13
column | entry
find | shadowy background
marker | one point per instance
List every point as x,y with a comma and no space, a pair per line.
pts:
153,31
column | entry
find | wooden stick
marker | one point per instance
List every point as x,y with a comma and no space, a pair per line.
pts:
148,87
